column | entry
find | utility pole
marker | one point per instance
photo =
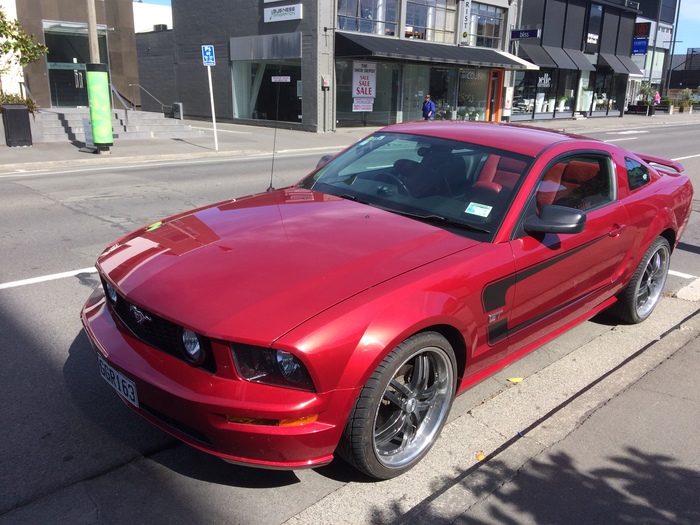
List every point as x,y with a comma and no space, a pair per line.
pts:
92,32
98,87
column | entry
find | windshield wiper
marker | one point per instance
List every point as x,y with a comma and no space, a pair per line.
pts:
439,219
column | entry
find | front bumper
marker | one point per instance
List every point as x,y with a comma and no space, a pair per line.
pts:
195,406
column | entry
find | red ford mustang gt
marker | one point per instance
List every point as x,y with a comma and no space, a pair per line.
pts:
343,314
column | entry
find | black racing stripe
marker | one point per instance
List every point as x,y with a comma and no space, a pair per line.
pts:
494,294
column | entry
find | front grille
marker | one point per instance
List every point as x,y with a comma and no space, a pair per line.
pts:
177,425
159,333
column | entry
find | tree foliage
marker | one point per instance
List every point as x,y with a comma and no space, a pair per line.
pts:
16,46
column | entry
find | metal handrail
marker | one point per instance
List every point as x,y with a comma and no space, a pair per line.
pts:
123,102
25,92
162,106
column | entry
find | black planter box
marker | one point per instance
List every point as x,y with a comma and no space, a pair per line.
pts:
18,131
640,110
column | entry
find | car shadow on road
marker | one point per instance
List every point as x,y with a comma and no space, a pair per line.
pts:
102,406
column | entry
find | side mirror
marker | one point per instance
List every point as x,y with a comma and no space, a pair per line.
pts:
323,160
556,219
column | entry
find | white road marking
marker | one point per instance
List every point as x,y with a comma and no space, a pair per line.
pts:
682,275
621,140
53,277
688,157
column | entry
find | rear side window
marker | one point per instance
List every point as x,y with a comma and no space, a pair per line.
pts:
582,181
637,174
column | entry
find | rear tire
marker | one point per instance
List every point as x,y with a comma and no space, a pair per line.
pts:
644,290
402,408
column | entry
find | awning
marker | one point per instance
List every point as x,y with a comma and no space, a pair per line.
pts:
560,57
537,55
612,61
353,45
580,60
630,65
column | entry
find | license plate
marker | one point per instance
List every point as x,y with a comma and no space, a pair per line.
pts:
123,385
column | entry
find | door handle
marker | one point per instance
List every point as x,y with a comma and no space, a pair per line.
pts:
617,230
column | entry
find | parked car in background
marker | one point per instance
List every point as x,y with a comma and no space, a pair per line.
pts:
342,315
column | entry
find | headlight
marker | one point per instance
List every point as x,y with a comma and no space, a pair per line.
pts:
111,293
192,347
273,367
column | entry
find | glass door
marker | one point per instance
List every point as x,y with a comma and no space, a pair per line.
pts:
69,51
67,85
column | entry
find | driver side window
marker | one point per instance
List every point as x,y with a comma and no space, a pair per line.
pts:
583,182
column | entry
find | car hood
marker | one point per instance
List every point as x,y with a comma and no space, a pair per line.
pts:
254,268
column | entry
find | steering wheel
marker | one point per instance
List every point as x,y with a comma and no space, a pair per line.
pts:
393,179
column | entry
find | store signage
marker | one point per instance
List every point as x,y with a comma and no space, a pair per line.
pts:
363,104
642,29
281,79
640,45
517,34
280,14
364,79
466,15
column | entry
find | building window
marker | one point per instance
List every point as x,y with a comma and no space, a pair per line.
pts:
368,16
486,23
433,20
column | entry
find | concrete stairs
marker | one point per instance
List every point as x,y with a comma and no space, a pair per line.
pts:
66,124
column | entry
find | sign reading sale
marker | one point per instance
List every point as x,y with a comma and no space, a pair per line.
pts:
364,79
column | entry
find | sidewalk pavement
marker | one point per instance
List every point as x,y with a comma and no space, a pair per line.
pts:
239,140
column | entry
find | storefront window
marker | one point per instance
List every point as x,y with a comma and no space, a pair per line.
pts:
486,26
368,16
384,105
473,91
535,93
433,20
256,96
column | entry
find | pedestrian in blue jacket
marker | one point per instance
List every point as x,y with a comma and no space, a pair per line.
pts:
428,108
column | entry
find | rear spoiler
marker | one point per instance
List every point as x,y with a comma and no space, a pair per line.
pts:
661,162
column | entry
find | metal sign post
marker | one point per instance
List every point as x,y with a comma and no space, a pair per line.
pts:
209,60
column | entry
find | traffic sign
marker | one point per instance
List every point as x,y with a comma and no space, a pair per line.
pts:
208,57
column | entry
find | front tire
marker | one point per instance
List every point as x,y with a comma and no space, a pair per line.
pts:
643,292
402,408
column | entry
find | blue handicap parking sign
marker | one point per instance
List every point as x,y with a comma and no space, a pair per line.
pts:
208,56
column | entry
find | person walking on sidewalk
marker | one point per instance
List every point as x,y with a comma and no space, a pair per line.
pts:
428,108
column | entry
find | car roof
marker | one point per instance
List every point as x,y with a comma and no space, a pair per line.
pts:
524,140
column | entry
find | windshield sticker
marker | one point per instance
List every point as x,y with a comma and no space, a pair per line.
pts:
370,139
480,210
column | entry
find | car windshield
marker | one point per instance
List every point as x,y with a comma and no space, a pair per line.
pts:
461,186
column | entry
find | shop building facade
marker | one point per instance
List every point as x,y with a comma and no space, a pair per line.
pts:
584,52
58,78
319,64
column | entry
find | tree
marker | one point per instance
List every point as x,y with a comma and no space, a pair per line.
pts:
646,90
16,46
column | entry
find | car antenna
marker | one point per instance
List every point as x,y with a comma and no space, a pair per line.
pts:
274,140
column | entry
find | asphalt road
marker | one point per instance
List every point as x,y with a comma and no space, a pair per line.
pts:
70,452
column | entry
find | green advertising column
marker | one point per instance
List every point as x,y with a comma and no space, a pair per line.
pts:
100,105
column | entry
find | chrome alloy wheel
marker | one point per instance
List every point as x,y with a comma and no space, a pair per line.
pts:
413,407
652,281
